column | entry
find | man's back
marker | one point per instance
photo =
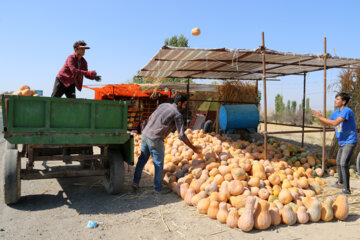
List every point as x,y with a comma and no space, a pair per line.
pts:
162,121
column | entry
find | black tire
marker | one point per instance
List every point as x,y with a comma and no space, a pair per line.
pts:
115,175
207,126
10,177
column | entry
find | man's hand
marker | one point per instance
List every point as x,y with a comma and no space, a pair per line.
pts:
316,113
197,149
98,78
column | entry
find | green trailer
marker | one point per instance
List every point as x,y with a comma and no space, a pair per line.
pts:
67,130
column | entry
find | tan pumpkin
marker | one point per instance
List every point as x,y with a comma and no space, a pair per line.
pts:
258,170
246,220
275,216
262,217
263,193
224,188
288,216
302,183
203,205
319,172
223,213
183,189
278,204
233,218
190,193
254,182
228,177
309,193
285,196
307,201
213,209
214,196
213,172
235,187
327,213
341,207
198,197
301,215
218,179
254,191
314,211
238,201
274,179
211,187
238,174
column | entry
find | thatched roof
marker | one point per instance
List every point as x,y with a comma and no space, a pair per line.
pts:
237,64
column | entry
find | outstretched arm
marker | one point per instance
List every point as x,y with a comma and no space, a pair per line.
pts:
179,122
325,121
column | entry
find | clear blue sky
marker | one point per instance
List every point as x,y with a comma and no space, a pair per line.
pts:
37,36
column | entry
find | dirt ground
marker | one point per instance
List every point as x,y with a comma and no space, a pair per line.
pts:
61,209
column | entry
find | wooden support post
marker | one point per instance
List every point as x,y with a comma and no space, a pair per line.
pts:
303,112
265,103
188,102
324,132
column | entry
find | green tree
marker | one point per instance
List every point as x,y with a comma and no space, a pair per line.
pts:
293,106
259,98
307,106
288,108
279,104
176,41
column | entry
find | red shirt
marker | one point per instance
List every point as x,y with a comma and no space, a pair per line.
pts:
73,72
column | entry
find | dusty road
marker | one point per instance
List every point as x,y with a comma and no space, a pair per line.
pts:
61,209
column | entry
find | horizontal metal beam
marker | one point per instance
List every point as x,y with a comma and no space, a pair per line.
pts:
299,131
292,125
68,157
38,174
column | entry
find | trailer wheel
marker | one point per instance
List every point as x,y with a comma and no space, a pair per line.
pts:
115,175
10,177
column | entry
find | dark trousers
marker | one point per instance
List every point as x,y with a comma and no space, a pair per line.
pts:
343,162
60,89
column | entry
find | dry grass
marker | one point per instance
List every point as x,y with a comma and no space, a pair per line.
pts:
238,91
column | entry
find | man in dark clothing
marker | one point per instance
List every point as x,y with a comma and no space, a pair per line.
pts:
72,73
345,128
161,122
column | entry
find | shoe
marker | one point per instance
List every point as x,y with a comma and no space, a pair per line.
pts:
135,186
337,185
345,192
163,191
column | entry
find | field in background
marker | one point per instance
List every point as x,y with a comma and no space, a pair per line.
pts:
309,138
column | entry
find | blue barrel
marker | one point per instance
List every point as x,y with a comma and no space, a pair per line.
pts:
233,117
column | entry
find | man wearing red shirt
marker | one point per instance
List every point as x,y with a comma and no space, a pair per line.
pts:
72,73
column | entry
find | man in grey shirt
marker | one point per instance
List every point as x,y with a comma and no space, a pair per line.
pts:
162,121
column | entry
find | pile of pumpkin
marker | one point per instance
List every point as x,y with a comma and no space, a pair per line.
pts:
25,91
231,183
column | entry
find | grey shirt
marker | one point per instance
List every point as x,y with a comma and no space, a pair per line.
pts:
163,121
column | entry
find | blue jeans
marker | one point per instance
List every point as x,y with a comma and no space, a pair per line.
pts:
343,162
155,149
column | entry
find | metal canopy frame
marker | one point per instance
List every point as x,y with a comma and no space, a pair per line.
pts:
244,64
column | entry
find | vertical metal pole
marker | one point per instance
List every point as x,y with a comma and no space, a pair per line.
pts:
256,93
324,132
256,96
303,117
265,103
188,102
